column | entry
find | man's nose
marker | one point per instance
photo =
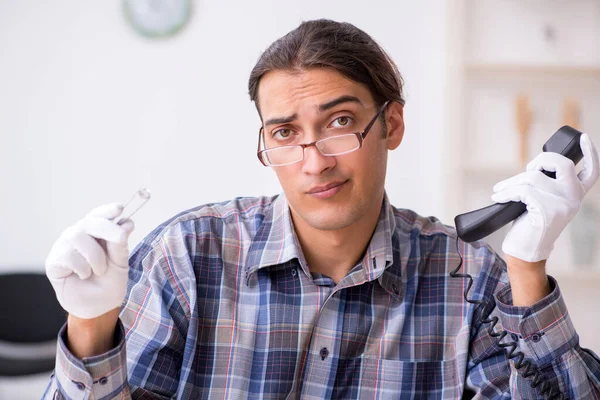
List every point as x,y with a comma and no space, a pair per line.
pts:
315,162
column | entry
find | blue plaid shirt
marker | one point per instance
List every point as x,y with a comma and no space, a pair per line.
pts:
222,305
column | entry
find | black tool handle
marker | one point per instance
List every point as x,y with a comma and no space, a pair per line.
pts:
480,223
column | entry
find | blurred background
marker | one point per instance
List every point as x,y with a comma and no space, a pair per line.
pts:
100,98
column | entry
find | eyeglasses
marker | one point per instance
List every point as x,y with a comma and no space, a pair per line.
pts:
330,146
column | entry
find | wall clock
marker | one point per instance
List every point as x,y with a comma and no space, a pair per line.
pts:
157,18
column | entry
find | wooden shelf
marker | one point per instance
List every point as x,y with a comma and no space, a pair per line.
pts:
533,69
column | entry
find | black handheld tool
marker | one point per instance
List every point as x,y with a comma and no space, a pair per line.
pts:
480,223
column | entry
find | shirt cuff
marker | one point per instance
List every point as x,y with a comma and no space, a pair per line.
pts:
104,375
544,331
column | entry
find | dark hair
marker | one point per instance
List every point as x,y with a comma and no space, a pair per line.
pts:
337,45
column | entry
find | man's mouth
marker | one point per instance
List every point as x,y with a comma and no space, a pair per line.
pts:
328,190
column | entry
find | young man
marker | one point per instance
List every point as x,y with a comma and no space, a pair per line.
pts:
324,291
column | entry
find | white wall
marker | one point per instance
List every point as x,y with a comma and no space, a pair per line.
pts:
90,111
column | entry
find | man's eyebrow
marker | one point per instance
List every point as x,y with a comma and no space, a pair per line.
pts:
281,120
322,107
339,100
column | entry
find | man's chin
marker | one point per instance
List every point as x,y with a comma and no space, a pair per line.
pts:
332,221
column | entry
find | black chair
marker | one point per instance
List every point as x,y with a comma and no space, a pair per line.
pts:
30,318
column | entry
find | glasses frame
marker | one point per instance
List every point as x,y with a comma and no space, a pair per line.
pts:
359,135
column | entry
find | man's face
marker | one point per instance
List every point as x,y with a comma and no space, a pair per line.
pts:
326,192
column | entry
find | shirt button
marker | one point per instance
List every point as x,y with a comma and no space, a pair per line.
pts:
294,272
324,353
103,380
79,385
395,288
536,337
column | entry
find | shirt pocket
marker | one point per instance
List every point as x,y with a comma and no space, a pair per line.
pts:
395,379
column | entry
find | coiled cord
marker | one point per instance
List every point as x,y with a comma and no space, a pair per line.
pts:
525,368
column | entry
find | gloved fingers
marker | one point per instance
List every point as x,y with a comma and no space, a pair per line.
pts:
79,265
591,169
532,178
108,211
523,193
57,270
91,251
57,263
64,260
553,162
511,193
67,263
102,228
127,225
118,253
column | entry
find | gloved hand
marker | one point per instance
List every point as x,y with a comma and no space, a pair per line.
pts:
551,203
88,264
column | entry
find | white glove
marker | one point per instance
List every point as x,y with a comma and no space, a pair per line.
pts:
88,264
551,203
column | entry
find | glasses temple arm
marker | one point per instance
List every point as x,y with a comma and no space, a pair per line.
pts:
368,128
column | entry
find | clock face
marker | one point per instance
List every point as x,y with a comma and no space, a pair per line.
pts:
157,18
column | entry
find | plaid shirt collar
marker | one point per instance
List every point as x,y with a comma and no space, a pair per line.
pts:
282,246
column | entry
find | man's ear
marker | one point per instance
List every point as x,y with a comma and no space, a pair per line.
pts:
394,118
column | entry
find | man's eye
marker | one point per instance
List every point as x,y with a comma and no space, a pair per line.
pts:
342,121
282,133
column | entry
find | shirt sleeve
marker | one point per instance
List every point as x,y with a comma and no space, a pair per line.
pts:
150,337
545,336
99,377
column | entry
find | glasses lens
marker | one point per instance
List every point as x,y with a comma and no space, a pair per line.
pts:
338,144
283,155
